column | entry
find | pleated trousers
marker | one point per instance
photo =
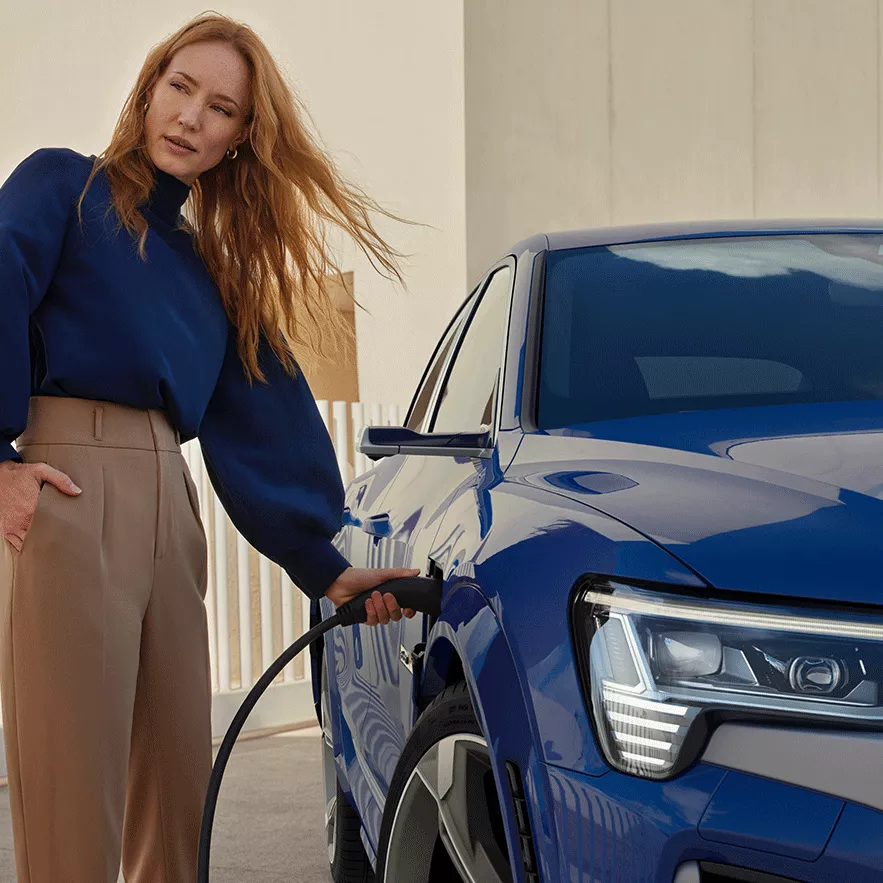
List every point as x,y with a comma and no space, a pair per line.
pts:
104,659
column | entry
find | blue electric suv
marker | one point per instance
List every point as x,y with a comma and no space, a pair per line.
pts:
647,465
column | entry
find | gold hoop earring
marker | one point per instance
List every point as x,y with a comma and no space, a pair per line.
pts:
234,154
146,106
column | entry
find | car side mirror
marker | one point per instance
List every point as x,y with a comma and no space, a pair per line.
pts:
385,441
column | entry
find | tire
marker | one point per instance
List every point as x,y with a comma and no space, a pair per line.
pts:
350,863
346,854
447,736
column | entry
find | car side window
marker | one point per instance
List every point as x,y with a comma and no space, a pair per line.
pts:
468,397
424,395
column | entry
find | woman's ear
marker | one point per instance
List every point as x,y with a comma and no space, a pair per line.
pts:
241,139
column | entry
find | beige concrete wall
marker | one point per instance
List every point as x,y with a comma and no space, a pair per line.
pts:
587,112
817,107
537,121
682,108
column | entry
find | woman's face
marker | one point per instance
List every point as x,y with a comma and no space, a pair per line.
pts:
203,98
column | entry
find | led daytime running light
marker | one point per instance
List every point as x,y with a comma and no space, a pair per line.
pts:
812,625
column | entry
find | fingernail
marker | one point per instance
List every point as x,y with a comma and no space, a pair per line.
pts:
79,490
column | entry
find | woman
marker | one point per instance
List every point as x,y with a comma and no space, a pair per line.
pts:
118,342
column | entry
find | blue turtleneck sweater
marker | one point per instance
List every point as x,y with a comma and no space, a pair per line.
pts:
83,315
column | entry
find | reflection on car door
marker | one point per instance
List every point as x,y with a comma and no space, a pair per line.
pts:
367,528
343,647
412,511
364,494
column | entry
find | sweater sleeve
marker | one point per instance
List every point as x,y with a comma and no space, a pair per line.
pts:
272,464
34,206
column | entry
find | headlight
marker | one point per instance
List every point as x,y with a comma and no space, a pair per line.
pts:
661,670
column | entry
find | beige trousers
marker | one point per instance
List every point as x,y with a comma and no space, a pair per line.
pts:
104,661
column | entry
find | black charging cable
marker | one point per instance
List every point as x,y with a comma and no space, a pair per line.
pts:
420,593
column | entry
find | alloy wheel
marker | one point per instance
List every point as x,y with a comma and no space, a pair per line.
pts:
447,818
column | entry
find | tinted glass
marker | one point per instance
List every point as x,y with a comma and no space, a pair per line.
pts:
712,323
424,395
467,399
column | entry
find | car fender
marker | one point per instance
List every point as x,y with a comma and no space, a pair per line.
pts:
468,639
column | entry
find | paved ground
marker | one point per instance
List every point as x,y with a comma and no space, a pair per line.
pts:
268,821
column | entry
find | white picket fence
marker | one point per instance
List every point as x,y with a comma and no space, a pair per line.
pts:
282,610
254,610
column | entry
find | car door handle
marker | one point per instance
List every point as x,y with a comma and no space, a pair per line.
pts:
378,525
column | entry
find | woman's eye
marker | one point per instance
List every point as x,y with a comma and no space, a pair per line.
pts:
222,109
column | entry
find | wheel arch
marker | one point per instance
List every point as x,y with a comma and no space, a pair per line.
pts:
467,643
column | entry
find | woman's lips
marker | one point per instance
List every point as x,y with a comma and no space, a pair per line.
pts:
178,146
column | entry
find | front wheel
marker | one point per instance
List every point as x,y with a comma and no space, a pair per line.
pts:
442,821
346,855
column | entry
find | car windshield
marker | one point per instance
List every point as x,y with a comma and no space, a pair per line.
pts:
700,324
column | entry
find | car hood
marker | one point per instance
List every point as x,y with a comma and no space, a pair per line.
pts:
784,500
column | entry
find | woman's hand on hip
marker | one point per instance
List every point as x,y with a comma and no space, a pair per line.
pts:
20,485
381,609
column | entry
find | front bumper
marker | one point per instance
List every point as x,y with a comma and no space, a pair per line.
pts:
791,803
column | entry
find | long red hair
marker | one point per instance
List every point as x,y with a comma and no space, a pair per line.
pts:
258,221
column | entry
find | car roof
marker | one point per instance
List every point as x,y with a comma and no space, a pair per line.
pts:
630,234
697,229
